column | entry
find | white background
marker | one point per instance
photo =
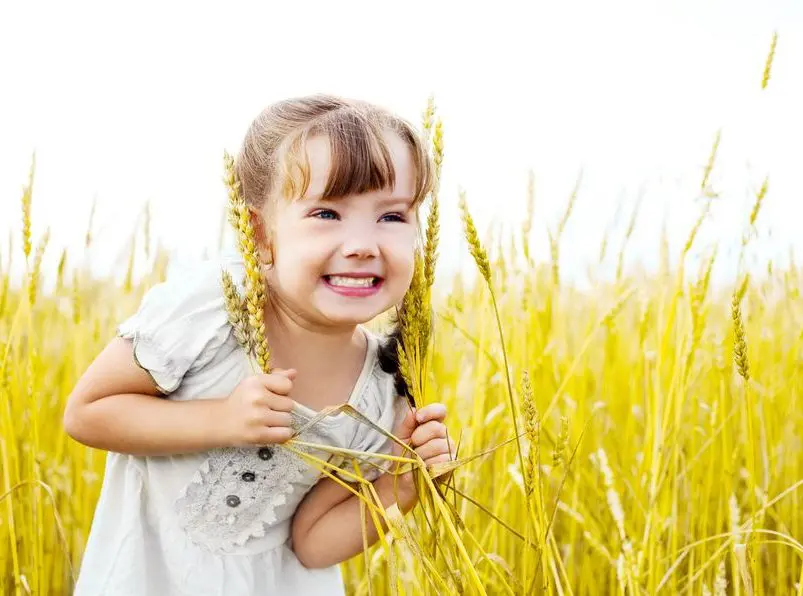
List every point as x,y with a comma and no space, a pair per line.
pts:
125,103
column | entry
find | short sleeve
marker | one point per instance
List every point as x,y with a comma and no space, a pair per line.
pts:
179,324
380,403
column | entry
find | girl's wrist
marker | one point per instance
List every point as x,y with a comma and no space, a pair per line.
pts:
397,489
217,426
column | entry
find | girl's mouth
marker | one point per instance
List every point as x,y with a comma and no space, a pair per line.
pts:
353,285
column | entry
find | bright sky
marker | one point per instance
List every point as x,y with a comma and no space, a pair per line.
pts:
124,105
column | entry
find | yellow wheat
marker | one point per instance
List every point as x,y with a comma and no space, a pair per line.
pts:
768,64
255,293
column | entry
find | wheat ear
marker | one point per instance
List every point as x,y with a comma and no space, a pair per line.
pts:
255,294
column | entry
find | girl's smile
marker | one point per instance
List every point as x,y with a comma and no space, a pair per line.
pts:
343,261
353,284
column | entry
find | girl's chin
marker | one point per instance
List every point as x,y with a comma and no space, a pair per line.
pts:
341,317
353,314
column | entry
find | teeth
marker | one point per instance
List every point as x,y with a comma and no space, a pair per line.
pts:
351,282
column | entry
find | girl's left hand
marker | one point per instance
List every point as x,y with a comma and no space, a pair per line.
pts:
424,430
430,437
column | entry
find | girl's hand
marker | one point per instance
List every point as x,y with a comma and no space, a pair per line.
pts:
425,431
258,410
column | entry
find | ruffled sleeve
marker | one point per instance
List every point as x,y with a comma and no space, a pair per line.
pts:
380,403
180,324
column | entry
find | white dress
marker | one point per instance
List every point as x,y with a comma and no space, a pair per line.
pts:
216,523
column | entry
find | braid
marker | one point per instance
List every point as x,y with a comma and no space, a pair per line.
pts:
388,357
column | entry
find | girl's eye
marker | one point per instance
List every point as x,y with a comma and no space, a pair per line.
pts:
393,217
325,214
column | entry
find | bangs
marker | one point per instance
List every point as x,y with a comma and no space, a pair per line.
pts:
360,159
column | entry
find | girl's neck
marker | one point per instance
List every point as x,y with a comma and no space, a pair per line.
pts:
315,352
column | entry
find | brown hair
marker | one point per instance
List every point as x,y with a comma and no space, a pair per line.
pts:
272,162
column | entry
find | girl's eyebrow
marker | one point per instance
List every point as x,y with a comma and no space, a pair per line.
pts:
395,200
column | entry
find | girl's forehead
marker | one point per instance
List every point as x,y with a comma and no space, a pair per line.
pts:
319,158
319,161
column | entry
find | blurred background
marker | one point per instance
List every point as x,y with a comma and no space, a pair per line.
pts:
136,103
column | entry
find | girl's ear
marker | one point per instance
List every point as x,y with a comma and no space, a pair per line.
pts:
262,239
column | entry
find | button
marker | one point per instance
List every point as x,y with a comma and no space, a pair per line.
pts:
232,500
248,476
265,453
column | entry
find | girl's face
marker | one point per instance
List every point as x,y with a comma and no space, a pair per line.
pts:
339,263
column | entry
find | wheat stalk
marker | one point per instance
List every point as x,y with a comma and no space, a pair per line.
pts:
415,329
532,428
60,270
554,238
255,293
427,117
236,311
709,167
34,275
559,454
88,233
740,344
474,246
433,225
527,225
765,79
27,195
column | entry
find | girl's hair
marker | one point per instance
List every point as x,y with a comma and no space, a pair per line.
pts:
272,163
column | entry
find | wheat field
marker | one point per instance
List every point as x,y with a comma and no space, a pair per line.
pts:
641,437
660,422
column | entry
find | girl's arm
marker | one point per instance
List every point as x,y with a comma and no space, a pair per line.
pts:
116,406
327,526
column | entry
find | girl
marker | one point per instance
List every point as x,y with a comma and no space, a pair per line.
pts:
198,497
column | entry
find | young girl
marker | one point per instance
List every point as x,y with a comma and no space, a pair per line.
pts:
199,497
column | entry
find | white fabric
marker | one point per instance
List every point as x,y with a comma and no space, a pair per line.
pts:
216,523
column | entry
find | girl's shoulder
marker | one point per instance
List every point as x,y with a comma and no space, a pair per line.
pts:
379,397
182,322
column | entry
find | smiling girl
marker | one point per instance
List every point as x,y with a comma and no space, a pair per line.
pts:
198,496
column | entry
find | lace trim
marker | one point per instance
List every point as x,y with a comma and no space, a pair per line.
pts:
233,496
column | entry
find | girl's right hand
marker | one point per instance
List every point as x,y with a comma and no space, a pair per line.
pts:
257,412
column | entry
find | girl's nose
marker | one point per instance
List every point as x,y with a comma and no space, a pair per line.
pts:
362,247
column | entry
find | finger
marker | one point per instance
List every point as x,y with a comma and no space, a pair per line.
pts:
290,373
438,459
276,434
404,429
279,403
278,419
428,431
277,383
433,448
431,412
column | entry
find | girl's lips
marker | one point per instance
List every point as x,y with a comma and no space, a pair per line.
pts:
354,291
